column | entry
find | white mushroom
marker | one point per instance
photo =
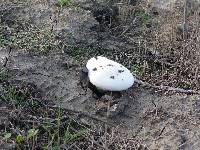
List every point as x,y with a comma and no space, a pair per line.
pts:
108,75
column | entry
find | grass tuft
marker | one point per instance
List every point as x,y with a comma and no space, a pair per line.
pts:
64,3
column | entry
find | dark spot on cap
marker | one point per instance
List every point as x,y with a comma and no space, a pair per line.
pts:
94,69
100,66
112,77
122,79
121,66
109,65
120,71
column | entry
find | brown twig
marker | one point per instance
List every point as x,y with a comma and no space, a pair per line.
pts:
76,112
167,88
80,113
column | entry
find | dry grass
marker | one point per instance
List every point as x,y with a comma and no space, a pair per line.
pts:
175,39
167,42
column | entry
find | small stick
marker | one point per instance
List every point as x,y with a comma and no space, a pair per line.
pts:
167,88
77,112
107,116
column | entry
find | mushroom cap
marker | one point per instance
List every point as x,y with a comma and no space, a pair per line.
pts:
109,75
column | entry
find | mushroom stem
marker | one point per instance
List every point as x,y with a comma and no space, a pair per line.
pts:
108,105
